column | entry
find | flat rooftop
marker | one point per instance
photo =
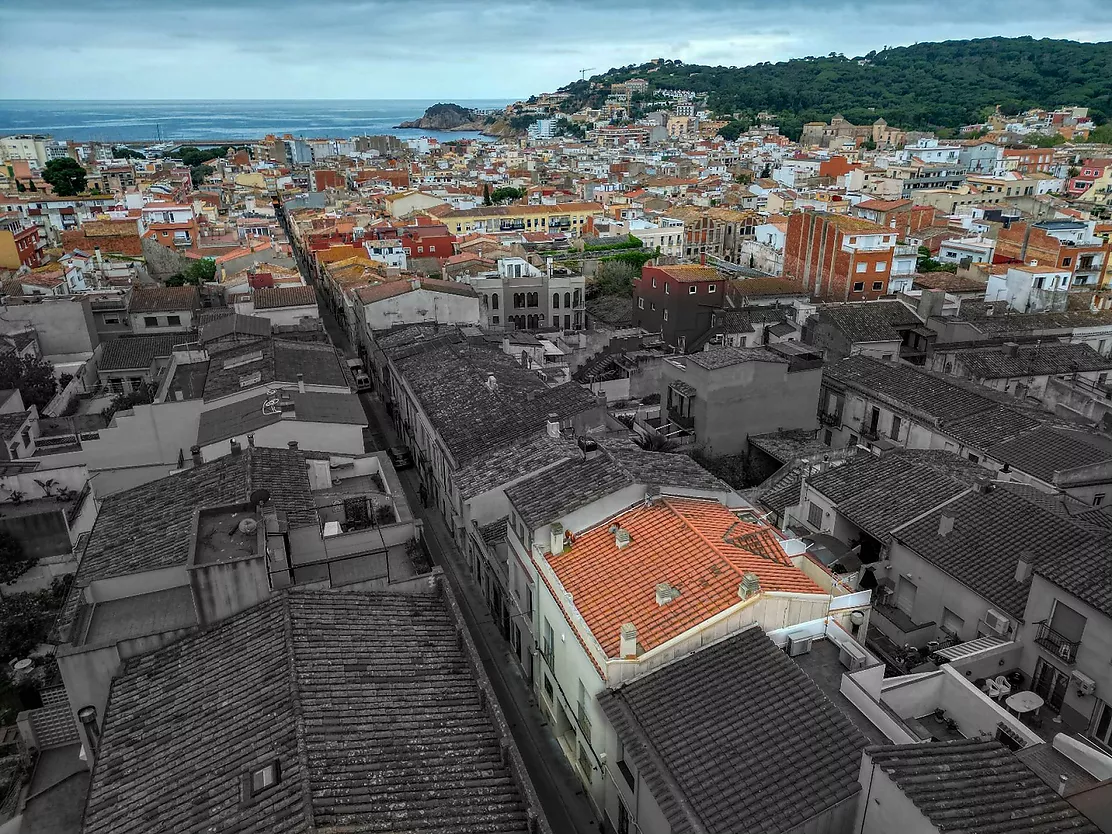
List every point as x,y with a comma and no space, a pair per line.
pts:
139,616
221,537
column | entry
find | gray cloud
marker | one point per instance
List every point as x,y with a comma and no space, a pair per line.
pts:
462,49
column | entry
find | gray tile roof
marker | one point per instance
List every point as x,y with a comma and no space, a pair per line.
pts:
368,702
1032,360
269,298
881,494
1086,572
564,488
724,356
324,407
451,382
977,786
150,527
661,468
11,422
274,361
787,755
1050,449
234,419
991,532
515,459
786,446
163,299
872,321
234,325
133,353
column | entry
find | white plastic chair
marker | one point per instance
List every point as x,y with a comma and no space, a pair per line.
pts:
991,689
1003,687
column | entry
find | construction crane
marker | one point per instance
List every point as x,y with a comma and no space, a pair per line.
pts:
583,72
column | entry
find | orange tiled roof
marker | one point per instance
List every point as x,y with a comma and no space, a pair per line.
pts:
695,545
690,272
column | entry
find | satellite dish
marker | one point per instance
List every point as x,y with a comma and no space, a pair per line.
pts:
260,496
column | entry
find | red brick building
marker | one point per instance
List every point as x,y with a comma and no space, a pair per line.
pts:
325,178
839,258
1029,160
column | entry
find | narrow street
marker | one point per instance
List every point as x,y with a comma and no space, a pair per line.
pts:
560,791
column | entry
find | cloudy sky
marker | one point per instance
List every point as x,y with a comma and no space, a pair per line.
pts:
280,49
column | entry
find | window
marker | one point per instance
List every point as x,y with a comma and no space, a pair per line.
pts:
974,458
667,288
666,314
652,305
814,516
654,282
25,436
548,687
952,622
862,266
173,321
567,298
264,778
853,440
555,301
111,319
494,301
1098,499
1067,261
895,427
495,320
640,303
694,288
880,266
827,437
877,286
623,766
858,286
1102,725
712,288
150,321
420,250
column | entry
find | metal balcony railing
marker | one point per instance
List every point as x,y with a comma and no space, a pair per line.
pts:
684,421
1063,648
827,419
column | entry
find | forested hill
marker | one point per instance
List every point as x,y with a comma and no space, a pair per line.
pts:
928,85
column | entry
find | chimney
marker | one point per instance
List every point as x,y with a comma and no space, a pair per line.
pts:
301,383
492,383
749,586
1062,780
703,259
236,448
1023,567
251,440
196,452
415,283
552,425
627,647
90,732
293,445
945,524
622,538
556,543
1011,349
665,593
548,265
983,485
100,259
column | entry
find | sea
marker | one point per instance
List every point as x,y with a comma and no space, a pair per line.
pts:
218,121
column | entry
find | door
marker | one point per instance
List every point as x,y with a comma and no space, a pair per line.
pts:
905,596
874,420
1102,724
1050,682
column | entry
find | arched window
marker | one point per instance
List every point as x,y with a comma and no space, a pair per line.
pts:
494,301
533,300
576,299
567,299
519,300
555,301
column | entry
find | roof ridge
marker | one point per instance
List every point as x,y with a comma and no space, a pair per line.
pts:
295,708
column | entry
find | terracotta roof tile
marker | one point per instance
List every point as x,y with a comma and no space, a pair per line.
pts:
690,544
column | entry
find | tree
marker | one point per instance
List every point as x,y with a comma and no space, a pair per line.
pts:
505,194
486,195
197,173
198,272
25,619
124,152
32,375
732,129
65,176
615,278
14,562
1102,135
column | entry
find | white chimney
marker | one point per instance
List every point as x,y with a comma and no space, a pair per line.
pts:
1023,568
552,425
1062,780
628,643
945,524
301,383
666,592
556,544
622,538
750,585
491,383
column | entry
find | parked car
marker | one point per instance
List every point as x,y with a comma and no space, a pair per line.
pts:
400,456
359,374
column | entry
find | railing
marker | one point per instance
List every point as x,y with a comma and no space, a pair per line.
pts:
826,419
1063,648
869,433
584,722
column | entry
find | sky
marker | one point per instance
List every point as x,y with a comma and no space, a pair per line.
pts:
457,49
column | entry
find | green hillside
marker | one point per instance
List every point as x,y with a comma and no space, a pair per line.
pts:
925,86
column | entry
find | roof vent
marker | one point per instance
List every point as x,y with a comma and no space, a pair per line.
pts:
491,383
665,593
628,641
749,586
622,538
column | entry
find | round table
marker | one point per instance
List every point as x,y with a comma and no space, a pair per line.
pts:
1023,702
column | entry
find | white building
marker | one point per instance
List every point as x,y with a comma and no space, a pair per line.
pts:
1030,288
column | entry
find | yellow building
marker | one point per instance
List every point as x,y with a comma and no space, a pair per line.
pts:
1100,192
569,218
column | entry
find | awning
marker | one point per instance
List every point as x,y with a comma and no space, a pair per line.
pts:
981,644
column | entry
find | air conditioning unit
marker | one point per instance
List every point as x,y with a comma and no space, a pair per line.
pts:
799,645
997,622
1085,685
852,656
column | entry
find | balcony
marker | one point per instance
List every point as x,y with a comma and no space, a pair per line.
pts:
1063,648
826,419
684,421
869,433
